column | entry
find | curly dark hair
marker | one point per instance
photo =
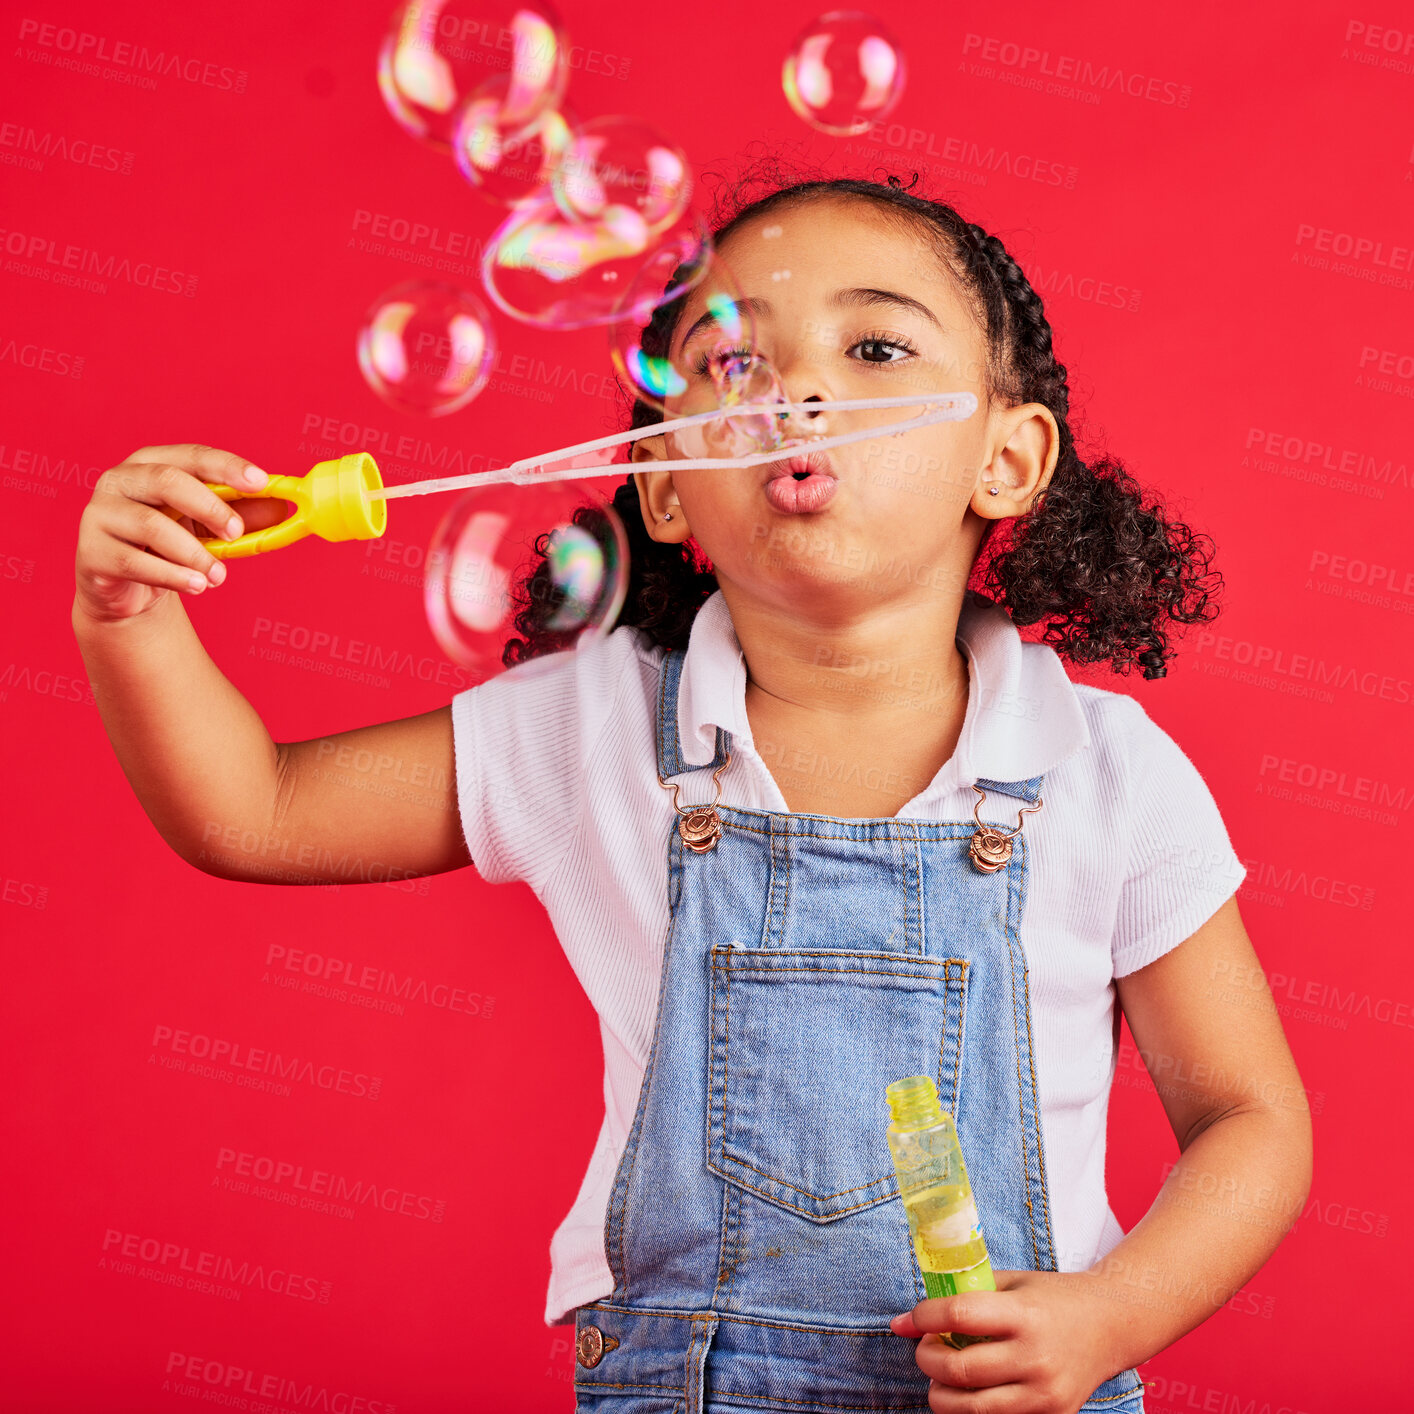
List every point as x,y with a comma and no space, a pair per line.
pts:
1106,572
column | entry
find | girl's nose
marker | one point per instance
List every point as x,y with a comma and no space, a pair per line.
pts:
810,421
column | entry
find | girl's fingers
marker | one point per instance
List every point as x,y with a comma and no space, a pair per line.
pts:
266,511
164,484
128,563
999,1399
133,525
972,1312
209,463
978,1366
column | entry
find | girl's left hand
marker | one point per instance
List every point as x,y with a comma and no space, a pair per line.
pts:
1050,1346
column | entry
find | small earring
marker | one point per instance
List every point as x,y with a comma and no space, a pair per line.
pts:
992,491
668,516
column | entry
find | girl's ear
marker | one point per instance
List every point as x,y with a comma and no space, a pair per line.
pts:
1027,449
663,516
649,449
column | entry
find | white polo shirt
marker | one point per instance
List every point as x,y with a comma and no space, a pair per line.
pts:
1128,856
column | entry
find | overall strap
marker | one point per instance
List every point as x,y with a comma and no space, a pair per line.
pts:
1028,790
670,758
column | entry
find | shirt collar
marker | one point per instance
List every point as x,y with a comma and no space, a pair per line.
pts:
1023,713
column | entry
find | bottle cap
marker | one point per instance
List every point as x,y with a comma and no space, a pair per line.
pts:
914,1102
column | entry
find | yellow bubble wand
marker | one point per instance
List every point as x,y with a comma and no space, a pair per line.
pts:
345,499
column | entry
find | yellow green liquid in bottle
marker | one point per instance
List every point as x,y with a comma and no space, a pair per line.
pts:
947,1240
937,1198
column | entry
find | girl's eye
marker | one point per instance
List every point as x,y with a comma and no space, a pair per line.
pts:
726,356
873,342
878,341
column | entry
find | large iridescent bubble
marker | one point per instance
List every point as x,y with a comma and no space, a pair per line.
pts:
676,372
509,161
742,384
426,347
843,73
545,268
567,532
439,54
619,163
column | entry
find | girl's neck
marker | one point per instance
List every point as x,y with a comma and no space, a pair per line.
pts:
886,693
896,663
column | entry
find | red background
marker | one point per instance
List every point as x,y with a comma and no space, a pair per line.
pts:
1233,372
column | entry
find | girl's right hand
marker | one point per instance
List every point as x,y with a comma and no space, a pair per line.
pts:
130,553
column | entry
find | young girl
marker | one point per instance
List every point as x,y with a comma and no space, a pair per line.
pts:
815,817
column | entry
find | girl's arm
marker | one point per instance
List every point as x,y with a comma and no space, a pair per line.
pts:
1204,1020
375,803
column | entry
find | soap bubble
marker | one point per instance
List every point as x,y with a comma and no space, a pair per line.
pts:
843,72
740,380
546,269
507,161
639,350
439,54
566,531
426,347
621,162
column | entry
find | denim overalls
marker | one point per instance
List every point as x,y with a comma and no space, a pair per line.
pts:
754,1230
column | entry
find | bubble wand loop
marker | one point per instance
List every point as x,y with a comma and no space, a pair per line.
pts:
345,499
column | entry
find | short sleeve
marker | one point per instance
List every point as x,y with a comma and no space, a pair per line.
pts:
1181,864
522,741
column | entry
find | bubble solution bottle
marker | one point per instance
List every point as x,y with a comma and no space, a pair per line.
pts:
937,1198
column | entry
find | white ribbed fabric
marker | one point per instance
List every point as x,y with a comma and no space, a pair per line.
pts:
1128,857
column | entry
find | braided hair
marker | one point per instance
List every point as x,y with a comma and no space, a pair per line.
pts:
1106,572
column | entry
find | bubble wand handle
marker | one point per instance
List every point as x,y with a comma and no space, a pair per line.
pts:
941,407
332,500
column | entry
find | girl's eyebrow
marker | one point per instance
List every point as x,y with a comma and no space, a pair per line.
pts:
857,297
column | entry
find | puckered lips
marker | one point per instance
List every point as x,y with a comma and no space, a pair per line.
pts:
802,483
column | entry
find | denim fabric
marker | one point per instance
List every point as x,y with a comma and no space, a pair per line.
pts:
754,1231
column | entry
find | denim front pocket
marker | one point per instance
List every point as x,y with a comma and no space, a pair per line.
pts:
803,1044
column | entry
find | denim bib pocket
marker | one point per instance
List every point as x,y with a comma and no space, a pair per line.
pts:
803,1042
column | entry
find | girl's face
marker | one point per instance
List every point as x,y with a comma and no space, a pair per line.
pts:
849,303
